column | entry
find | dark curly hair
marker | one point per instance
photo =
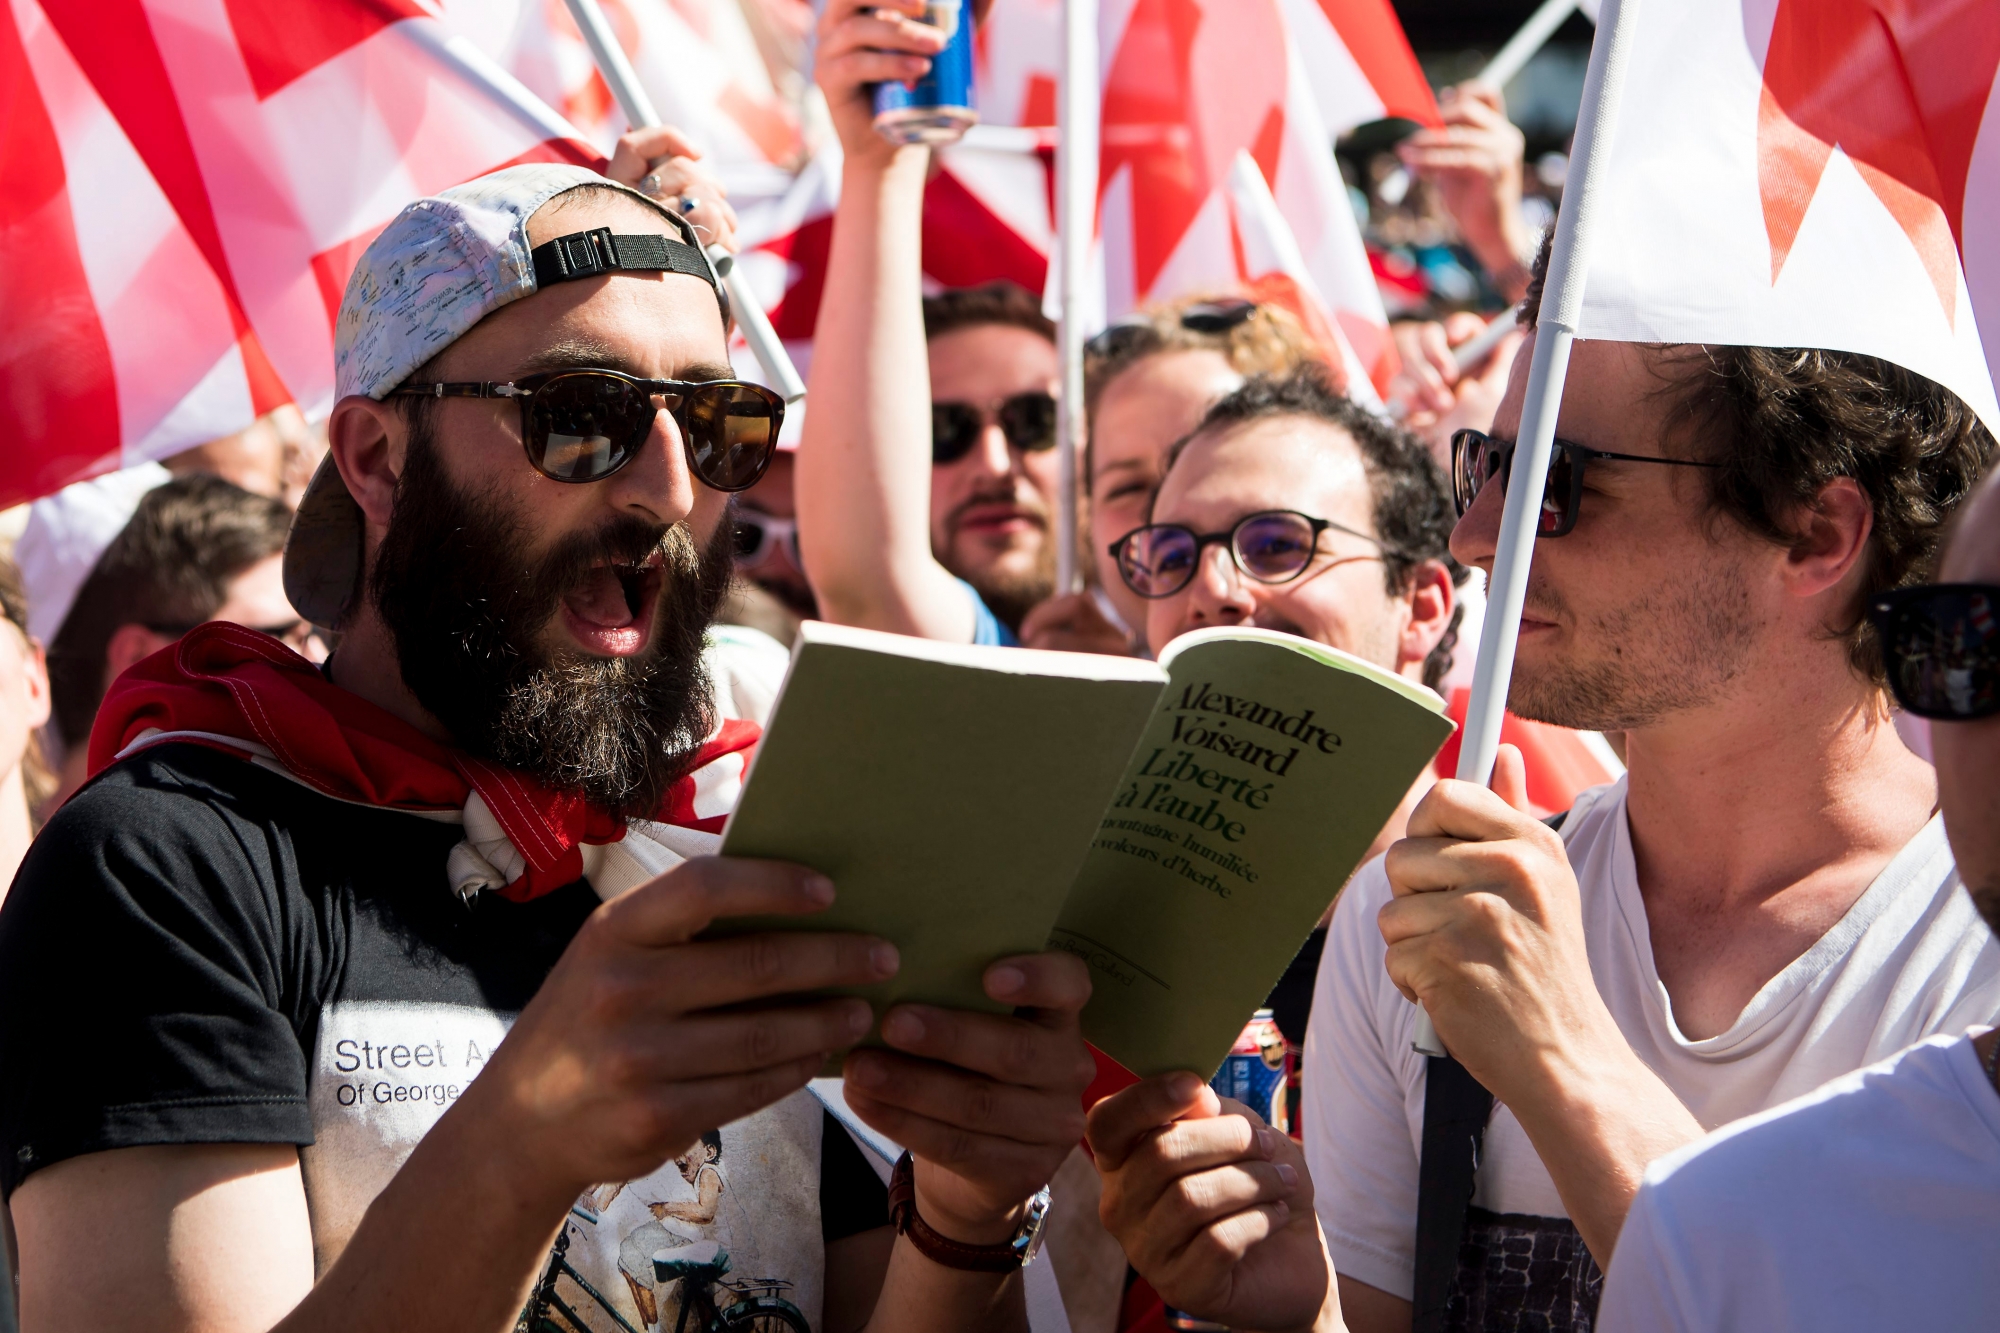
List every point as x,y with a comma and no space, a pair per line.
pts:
1782,422
1413,509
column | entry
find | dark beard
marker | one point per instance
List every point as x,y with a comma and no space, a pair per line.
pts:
469,609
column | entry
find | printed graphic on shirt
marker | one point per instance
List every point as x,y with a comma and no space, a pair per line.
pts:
724,1237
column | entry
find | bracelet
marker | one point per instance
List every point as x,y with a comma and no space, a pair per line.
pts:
1007,1257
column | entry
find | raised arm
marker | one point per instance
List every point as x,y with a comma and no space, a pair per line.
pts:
864,464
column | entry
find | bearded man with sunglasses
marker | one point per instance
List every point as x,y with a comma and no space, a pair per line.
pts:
1766,901
350,998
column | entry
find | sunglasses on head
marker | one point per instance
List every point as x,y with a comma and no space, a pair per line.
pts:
1028,420
1941,645
584,425
1212,317
1477,458
1274,546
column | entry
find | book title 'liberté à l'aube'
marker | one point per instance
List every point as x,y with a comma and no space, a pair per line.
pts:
1201,722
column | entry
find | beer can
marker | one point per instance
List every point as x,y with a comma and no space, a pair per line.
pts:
1257,1071
936,108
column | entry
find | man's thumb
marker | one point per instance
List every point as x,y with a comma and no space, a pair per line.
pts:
1510,777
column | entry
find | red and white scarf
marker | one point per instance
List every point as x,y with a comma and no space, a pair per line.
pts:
244,693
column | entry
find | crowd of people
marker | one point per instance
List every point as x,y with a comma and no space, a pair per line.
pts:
361,784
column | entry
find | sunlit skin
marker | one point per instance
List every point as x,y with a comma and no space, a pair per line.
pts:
664,326
256,598
1485,928
641,1037
1342,599
1011,518
1140,414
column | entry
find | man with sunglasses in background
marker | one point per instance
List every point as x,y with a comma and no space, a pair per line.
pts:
1869,1204
1765,902
927,486
256,976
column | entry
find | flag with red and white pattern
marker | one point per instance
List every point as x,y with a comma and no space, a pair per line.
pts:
184,187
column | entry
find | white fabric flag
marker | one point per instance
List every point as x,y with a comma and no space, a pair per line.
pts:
1808,173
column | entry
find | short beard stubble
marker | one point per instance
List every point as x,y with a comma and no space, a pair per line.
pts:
1673,649
470,610
1008,593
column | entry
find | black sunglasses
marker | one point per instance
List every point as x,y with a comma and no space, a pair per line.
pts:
1941,645
584,425
1028,420
1477,458
1274,546
1211,317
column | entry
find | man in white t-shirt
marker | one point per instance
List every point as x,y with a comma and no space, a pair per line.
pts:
1764,903
1871,1203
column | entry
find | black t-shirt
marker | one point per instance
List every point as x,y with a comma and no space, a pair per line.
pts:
199,950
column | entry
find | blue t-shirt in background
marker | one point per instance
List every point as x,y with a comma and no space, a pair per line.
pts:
988,628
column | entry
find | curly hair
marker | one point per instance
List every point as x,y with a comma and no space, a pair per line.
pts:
1270,342
1782,422
1412,504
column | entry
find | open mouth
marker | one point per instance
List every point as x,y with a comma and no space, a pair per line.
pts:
610,610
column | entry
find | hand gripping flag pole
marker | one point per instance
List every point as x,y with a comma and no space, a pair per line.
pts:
623,82
1555,329
1076,224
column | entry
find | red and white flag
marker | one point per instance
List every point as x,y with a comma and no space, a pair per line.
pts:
184,187
1808,173
1192,85
712,73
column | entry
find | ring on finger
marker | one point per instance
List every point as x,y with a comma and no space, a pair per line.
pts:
653,183
688,203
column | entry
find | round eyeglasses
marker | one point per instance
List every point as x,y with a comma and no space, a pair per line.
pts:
1272,546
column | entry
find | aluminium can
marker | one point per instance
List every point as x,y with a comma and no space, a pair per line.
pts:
1257,1071
936,108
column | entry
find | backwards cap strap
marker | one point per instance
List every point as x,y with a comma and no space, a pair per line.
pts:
585,254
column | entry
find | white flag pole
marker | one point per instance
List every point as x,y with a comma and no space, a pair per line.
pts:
1521,47
1076,219
1555,328
623,82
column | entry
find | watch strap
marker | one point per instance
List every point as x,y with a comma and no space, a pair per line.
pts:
1007,1257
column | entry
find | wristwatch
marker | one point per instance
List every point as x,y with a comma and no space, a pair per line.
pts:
1007,1257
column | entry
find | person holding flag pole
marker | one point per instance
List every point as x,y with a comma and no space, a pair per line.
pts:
623,81
1728,475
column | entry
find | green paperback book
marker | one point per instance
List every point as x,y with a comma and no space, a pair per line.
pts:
1179,825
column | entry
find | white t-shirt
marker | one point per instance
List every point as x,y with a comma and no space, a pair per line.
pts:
1868,1205
1910,959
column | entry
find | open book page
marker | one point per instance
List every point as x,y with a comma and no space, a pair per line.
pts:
949,791
1268,767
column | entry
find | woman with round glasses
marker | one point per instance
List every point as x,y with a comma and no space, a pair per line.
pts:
1147,381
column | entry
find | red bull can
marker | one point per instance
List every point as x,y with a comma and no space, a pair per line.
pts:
936,108
1258,1071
